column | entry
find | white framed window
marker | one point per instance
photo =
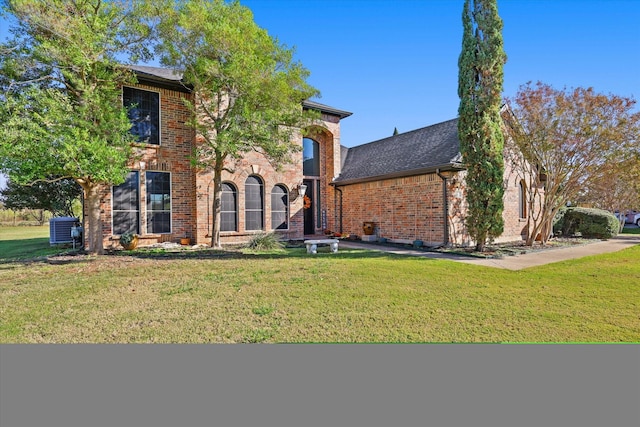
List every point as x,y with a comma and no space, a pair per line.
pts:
125,205
158,186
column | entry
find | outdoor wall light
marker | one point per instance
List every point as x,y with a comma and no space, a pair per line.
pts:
298,191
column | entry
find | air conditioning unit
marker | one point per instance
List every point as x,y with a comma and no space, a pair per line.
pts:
60,229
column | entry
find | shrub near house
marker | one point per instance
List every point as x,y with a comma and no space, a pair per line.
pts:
592,223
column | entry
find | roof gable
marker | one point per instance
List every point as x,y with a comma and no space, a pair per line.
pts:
418,151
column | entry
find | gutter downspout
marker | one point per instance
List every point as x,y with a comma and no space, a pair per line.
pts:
445,195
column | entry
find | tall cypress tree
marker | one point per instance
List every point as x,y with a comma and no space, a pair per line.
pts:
480,82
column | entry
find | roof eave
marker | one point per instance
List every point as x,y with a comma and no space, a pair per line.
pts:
156,81
402,174
310,105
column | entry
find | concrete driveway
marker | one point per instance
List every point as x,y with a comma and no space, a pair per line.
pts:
517,262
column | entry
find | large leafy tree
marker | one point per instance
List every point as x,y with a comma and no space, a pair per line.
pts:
57,197
480,83
579,144
60,95
615,187
247,88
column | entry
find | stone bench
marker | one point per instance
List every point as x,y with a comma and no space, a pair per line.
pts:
312,245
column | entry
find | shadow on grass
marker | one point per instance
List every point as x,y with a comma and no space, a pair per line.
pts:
289,253
28,250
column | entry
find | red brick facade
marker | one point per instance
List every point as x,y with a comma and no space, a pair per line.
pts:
403,209
192,190
413,208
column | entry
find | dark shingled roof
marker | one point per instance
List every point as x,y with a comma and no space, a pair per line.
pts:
166,77
416,152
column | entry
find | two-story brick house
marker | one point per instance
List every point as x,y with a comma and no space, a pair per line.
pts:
165,198
411,185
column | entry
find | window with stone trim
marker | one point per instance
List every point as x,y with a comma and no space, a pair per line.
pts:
158,185
229,208
254,203
125,205
144,114
279,208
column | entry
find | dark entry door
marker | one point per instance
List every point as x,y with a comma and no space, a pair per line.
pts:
309,224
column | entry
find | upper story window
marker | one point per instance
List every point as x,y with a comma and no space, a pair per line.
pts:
144,113
310,157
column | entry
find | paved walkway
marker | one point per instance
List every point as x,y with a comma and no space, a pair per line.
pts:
515,262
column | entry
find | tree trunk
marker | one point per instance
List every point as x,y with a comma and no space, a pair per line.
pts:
481,242
216,208
93,232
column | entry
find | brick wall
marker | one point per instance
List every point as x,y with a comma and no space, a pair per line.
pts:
411,208
513,224
257,165
173,156
192,190
326,132
403,209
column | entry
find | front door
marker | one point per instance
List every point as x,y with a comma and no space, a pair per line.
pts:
309,223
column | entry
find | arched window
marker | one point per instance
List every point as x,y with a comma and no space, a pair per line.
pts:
229,208
310,157
253,204
279,208
522,199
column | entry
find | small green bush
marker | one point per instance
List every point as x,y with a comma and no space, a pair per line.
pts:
589,223
265,242
558,220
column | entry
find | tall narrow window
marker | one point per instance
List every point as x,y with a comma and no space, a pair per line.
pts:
229,208
126,205
522,199
279,208
310,157
158,202
144,114
254,202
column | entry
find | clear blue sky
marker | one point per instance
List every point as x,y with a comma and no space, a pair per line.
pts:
394,63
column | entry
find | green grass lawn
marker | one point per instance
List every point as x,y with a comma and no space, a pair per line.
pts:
352,296
629,230
25,242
